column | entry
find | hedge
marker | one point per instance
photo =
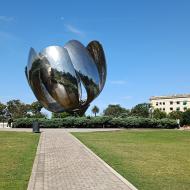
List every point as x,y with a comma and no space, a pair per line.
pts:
97,122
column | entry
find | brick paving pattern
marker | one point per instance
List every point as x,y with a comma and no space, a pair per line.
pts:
63,163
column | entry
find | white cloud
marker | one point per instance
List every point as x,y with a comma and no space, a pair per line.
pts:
118,82
74,30
6,19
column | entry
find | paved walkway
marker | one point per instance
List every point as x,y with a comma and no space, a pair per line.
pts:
63,163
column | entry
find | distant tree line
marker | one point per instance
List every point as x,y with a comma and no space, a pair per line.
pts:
144,110
19,109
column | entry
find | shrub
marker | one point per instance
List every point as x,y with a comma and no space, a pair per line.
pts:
97,122
100,122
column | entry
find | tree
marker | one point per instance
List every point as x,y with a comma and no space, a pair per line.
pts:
115,110
158,114
36,107
185,120
175,115
34,110
125,114
61,115
141,110
95,110
17,108
2,107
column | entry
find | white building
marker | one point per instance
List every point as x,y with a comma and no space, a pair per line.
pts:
180,102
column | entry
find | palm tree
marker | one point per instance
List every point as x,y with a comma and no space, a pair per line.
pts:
95,110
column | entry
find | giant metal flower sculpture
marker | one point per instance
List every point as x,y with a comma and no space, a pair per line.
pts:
59,76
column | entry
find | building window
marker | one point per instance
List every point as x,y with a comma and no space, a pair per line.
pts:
157,103
164,109
171,109
178,102
163,103
184,102
178,109
171,102
161,109
160,103
185,108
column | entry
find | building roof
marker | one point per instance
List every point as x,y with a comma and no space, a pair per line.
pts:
170,96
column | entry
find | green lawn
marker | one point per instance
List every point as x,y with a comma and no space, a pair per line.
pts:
17,153
150,160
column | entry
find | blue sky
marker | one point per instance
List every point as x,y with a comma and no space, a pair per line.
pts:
146,42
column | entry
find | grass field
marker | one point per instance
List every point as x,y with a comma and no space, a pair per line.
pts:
17,153
151,160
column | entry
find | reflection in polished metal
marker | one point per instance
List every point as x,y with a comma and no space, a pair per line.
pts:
58,75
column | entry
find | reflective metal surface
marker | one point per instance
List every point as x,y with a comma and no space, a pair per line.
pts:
56,75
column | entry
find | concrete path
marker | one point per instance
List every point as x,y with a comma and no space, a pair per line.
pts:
64,163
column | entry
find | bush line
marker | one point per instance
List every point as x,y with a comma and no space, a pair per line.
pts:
97,122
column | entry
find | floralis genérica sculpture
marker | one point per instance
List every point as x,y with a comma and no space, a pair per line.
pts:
60,76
